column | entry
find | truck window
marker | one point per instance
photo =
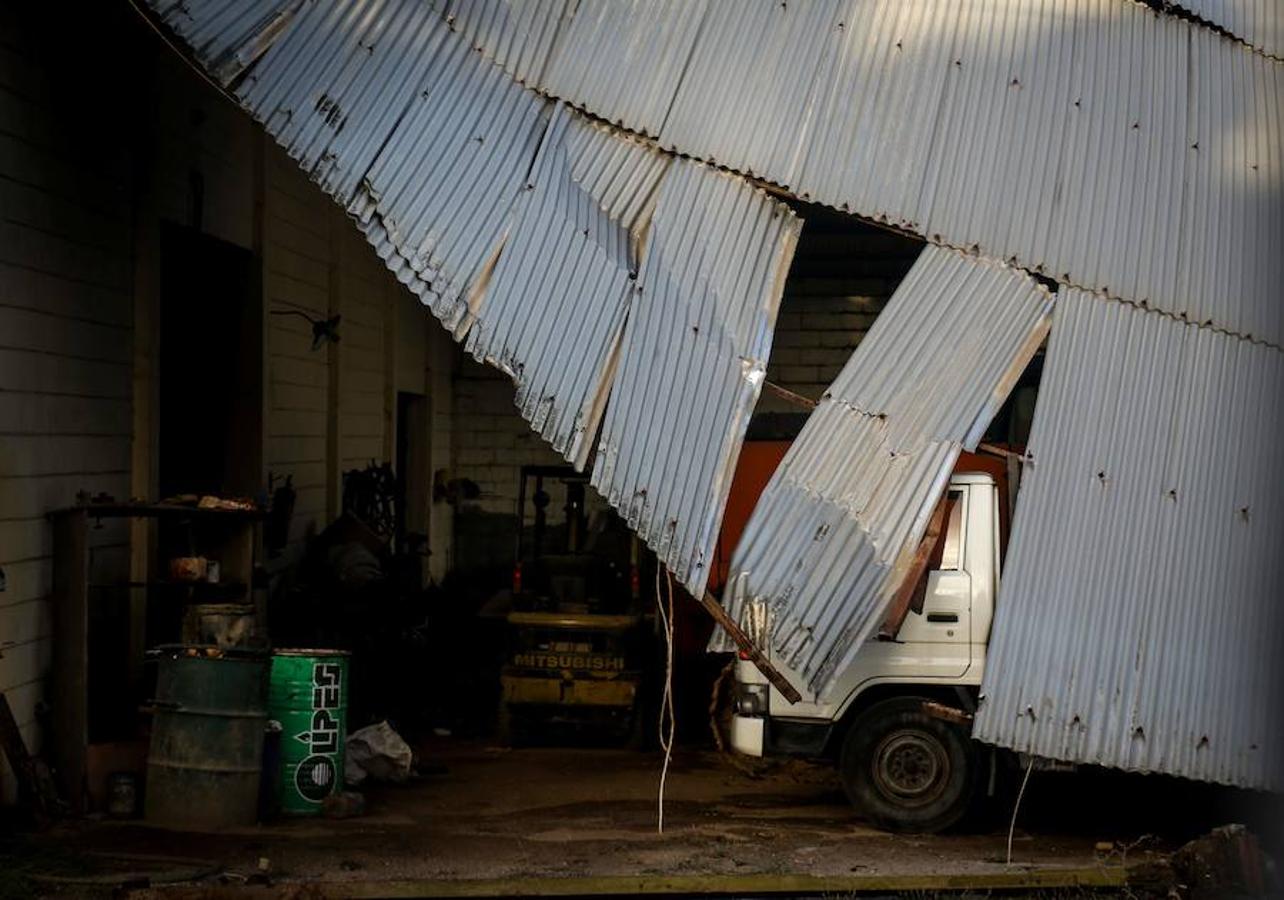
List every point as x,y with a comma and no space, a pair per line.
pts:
949,553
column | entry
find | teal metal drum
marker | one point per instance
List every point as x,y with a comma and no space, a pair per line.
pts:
206,753
309,697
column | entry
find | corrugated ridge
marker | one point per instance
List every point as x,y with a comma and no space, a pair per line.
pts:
732,86
517,35
623,60
1258,23
1138,624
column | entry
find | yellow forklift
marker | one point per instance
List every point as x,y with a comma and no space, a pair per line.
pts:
578,635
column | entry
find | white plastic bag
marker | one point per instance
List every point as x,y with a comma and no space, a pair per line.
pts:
376,752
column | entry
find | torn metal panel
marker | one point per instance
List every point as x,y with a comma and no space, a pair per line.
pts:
554,311
438,200
623,59
692,362
227,36
836,528
1259,23
735,83
518,35
1139,622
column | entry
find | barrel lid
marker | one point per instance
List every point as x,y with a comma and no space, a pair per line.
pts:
234,609
205,651
299,651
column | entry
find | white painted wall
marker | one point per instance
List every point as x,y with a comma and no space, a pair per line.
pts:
297,220
65,350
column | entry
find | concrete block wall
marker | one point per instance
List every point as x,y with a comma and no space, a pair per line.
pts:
491,441
842,275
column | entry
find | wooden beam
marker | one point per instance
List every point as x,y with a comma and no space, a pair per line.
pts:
899,608
747,648
789,396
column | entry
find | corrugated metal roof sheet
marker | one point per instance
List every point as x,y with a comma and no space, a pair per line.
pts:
853,495
1091,140
227,35
1139,623
1231,264
693,360
554,312
1259,23
336,83
735,84
883,89
441,191
623,59
518,35
1061,143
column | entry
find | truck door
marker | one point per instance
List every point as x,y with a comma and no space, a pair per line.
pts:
942,617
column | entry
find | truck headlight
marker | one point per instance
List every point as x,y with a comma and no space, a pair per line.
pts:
751,700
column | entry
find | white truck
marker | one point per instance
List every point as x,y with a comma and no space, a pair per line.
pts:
897,721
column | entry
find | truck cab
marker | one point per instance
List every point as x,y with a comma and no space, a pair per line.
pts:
897,722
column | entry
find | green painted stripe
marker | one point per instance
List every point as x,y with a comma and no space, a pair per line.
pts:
679,885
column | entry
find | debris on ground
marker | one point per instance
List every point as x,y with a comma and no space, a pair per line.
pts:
1226,863
344,805
376,752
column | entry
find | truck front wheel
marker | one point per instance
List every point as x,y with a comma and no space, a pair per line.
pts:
907,771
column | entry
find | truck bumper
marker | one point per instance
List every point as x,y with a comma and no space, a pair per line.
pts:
747,735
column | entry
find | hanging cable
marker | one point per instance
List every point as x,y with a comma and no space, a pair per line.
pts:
666,700
1017,805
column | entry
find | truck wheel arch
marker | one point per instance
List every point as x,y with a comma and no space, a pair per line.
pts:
865,696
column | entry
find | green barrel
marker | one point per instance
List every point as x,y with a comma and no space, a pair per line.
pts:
206,752
308,695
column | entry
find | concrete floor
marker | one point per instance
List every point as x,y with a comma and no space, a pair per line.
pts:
580,813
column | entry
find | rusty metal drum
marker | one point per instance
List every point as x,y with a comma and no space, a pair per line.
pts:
206,752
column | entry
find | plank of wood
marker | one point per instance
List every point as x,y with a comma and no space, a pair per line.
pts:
748,649
35,785
899,608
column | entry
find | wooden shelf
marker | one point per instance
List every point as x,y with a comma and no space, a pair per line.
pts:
159,510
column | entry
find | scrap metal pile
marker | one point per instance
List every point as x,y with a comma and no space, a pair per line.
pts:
517,165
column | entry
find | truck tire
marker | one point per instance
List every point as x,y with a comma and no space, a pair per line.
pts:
907,771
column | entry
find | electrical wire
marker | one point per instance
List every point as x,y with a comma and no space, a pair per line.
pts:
666,702
1016,806
182,54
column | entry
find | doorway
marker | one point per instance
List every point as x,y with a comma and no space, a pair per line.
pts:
211,366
